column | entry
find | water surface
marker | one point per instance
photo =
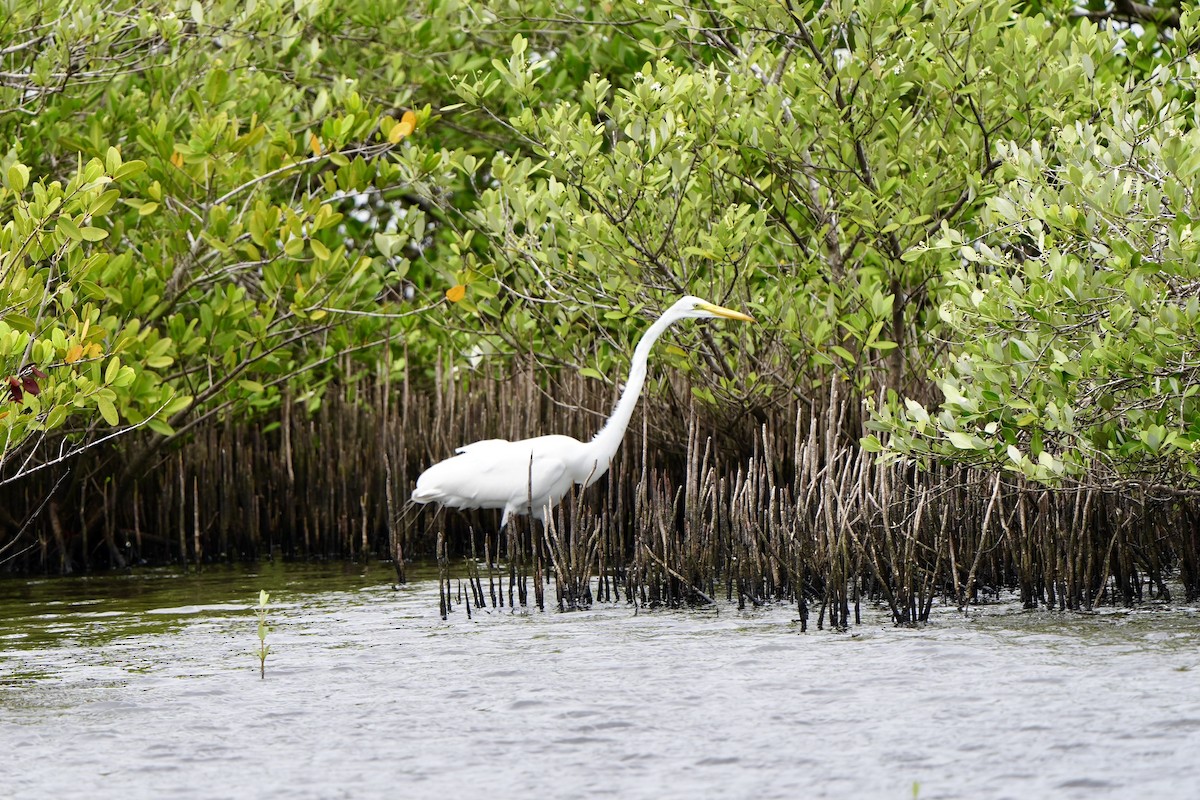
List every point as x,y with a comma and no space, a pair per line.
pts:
146,686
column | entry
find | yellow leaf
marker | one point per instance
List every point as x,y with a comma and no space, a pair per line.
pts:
314,144
74,353
177,159
408,124
456,293
94,350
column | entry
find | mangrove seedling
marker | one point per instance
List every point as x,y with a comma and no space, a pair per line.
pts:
263,629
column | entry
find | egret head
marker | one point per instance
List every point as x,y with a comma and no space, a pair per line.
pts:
690,306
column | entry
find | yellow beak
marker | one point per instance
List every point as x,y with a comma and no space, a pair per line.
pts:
729,313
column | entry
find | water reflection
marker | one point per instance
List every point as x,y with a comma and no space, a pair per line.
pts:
147,686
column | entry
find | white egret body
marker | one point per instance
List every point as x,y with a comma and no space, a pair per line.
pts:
530,476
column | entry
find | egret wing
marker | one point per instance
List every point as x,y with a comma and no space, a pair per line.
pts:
493,473
483,444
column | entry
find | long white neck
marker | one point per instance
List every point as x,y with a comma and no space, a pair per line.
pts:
604,445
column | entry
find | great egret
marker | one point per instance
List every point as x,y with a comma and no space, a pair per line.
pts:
530,476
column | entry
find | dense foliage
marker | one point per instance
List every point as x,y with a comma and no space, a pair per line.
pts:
976,215
1071,306
189,209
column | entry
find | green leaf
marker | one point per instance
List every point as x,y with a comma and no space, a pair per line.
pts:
961,440
112,160
1050,462
917,413
107,410
386,244
128,170
56,416
18,177
19,321
104,203
177,404
842,352
67,227
160,427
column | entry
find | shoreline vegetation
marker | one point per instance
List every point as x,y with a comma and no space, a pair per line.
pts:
754,513
263,262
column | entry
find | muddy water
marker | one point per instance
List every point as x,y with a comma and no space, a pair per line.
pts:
145,686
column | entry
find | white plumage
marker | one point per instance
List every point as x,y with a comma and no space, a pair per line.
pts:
531,476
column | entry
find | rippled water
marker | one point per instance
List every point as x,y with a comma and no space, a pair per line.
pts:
145,686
